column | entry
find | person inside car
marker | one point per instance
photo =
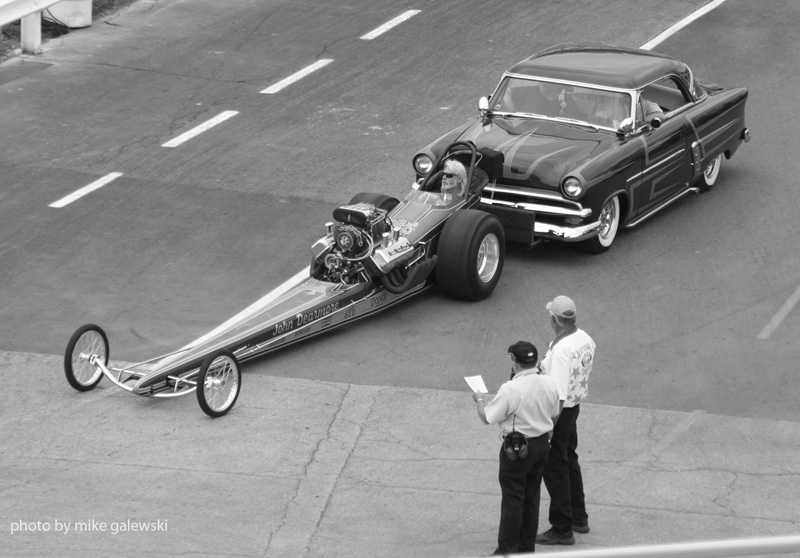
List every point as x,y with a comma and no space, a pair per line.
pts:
610,110
454,181
454,186
543,98
556,100
648,112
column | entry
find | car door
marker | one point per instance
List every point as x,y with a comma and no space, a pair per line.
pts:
665,169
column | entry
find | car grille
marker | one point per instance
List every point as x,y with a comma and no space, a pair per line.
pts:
541,201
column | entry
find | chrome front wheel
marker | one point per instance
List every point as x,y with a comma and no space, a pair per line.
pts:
609,222
87,345
609,225
218,383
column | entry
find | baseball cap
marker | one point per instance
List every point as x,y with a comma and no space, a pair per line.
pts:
524,352
563,306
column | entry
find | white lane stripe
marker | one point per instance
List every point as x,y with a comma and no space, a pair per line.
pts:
681,24
66,200
388,25
297,76
787,307
222,117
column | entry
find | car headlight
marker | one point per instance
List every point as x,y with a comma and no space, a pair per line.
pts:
423,164
572,187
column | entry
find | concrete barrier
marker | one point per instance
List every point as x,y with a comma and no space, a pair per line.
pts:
72,13
29,12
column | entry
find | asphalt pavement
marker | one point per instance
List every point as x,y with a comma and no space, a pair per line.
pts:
310,468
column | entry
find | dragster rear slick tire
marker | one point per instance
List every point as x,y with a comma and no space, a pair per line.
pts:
88,341
471,253
218,383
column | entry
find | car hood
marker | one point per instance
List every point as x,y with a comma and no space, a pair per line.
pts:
536,153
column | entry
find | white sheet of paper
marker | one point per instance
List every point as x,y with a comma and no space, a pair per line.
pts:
476,383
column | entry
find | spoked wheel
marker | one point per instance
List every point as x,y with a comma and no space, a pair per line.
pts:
710,174
218,383
87,342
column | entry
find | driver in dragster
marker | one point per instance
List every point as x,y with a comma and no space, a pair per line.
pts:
454,186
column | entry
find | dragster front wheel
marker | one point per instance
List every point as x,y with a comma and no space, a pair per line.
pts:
218,383
88,344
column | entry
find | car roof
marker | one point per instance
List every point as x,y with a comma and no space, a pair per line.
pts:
604,65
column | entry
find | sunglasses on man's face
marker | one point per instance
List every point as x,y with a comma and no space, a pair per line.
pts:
448,175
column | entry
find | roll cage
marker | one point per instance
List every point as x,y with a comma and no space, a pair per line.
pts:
468,155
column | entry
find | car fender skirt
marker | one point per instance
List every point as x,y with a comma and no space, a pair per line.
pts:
397,281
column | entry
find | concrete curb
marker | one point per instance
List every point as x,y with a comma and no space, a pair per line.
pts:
305,468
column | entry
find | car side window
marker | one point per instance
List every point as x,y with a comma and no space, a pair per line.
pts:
668,93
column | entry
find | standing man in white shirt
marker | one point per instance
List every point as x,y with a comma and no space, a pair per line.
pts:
569,362
525,408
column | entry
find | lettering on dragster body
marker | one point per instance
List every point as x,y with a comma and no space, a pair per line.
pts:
283,327
378,300
303,319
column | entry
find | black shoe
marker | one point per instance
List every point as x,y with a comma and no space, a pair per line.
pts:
581,526
552,537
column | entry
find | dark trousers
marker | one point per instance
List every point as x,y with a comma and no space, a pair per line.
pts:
562,474
520,485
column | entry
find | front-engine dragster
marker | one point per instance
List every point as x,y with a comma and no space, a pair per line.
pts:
377,252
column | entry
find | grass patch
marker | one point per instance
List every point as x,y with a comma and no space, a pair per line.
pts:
10,36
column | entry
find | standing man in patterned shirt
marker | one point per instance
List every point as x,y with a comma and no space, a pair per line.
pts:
569,362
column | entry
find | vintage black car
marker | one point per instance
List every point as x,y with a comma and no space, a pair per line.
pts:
580,140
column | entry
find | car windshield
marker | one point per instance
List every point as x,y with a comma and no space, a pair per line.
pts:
531,97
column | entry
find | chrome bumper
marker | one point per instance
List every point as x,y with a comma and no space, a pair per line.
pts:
550,231
566,234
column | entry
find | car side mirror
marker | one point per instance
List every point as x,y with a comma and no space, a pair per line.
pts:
655,122
483,110
483,105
